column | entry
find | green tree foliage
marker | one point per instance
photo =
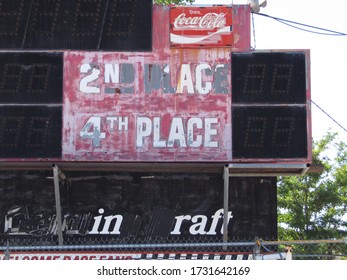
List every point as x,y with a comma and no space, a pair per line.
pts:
314,206
177,2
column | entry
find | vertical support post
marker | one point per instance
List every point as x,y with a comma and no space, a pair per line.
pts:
226,205
289,250
7,253
256,249
57,174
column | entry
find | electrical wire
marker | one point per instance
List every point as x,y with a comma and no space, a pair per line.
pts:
320,108
294,24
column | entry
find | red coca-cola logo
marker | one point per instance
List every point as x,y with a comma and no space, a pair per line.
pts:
209,21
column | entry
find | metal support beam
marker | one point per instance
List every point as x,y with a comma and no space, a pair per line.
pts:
7,254
267,169
57,176
226,205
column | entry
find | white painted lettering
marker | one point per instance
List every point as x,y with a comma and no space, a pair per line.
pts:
92,130
198,223
97,221
185,80
143,129
193,139
108,220
157,142
199,226
199,79
202,78
92,77
215,218
177,133
112,122
230,216
111,73
123,123
210,131
178,224
195,132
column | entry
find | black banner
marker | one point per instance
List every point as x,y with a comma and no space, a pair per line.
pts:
137,205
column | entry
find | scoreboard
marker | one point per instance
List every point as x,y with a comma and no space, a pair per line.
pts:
84,81
76,24
269,99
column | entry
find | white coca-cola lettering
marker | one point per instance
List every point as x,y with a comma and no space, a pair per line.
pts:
207,21
192,12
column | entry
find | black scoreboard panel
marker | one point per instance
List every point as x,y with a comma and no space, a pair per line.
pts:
30,132
31,104
267,132
122,25
31,77
269,78
269,113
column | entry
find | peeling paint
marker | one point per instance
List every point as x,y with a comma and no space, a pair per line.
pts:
175,104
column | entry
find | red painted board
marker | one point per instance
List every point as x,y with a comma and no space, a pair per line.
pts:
147,106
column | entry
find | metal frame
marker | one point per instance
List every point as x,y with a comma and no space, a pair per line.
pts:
255,170
58,176
229,170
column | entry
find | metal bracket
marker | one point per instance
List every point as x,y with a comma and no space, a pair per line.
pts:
266,169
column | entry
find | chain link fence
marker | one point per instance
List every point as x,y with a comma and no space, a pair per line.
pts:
322,249
172,248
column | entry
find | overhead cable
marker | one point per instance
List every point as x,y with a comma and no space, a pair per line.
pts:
294,24
330,117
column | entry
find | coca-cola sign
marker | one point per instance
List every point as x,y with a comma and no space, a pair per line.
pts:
197,26
208,21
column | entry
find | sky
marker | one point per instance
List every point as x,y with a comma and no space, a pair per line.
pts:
328,53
